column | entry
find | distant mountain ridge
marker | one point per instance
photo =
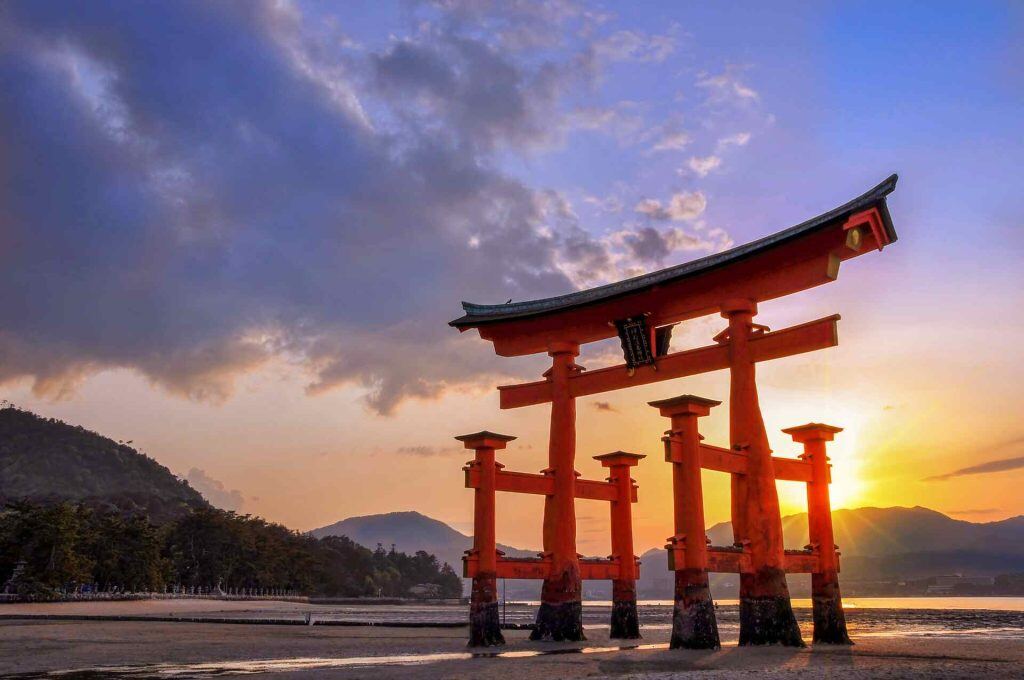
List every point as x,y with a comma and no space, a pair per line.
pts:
410,531
46,460
875,543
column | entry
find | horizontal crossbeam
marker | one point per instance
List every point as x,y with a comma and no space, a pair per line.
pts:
735,462
544,485
540,568
731,560
807,337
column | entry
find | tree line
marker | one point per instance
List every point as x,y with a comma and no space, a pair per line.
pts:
47,550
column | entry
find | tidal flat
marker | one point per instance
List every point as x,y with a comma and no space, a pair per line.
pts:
890,643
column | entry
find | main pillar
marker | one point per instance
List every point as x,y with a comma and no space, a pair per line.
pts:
829,617
560,616
766,613
484,622
625,624
694,625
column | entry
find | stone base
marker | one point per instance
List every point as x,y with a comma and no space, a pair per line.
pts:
694,624
559,622
625,622
768,621
829,617
485,625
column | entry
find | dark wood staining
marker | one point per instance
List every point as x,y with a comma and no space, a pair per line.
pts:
829,617
559,622
625,624
694,624
766,614
484,621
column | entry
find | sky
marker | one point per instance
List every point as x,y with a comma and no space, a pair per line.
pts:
234,232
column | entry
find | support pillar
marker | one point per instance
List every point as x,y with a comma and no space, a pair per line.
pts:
625,624
560,616
766,613
694,625
484,621
829,617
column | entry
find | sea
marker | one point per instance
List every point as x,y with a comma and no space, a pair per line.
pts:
990,617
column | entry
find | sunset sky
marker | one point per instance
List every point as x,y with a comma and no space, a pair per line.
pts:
234,232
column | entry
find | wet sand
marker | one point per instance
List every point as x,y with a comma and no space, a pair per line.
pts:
150,649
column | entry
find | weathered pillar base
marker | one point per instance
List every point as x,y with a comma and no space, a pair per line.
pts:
694,624
829,617
559,622
767,619
484,621
625,624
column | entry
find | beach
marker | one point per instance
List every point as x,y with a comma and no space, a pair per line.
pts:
892,643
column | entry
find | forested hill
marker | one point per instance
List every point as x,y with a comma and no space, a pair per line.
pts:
44,460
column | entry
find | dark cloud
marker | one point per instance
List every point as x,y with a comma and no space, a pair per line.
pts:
999,465
215,492
604,406
192,189
983,468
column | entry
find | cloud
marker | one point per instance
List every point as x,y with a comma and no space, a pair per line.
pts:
637,46
672,141
999,465
214,491
605,406
682,206
726,87
194,189
984,468
702,166
737,139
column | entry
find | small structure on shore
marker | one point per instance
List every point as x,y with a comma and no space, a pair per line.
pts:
642,312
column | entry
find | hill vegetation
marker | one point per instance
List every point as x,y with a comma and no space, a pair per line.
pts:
83,512
44,460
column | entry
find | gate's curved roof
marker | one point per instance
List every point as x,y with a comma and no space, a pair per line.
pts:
477,315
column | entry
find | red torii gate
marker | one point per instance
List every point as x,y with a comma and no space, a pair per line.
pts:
642,311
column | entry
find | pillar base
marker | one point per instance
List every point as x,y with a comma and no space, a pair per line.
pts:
484,619
559,622
694,624
625,622
767,619
829,617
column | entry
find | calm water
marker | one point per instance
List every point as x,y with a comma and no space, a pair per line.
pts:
866,616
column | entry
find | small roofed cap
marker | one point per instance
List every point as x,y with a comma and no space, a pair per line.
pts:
812,431
485,439
684,403
620,458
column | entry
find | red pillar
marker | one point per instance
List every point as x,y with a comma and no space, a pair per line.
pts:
766,613
829,617
624,624
484,622
694,625
560,616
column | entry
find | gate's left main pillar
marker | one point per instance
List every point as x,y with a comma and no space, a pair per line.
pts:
560,616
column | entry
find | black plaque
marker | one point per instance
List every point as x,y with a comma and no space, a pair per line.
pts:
636,341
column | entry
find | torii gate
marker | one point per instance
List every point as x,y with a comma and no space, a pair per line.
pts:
642,311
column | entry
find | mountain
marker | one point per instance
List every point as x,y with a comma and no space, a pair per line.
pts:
410,532
44,460
880,543
876,543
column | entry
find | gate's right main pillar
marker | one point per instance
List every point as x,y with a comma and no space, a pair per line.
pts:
766,613
829,617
